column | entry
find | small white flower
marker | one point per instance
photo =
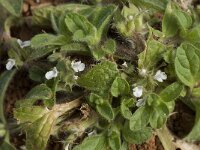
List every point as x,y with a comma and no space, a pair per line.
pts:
51,74
143,72
77,66
23,44
140,102
10,64
125,64
137,91
75,77
130,17
160,76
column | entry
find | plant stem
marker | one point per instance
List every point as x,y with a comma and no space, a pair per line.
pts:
165,138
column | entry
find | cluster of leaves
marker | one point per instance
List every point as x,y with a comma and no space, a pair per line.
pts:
81,30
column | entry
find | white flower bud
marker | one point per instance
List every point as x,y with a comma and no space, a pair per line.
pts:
160,76
77,66
10,64
23,44
51,74
137,91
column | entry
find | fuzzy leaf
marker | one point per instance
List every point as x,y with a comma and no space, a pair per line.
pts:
136,137
81,28
97,142
13,7
29,114
105,110
171,92
120,87
100,77
124,107
187,64
175,19
155,4
40,92
114,140
101,17
153,52
159,116
140,118
41,40
194,34
43,125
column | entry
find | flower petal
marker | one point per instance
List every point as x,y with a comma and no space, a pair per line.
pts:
10,64
137,91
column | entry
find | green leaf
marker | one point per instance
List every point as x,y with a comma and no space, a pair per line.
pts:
120,87
109,46
114,139
39,131
124,107
159,110
101,18
5,79
41,52
187,64
105,110
153,52
171,92
97,142
6,146
136,137
13,7
140,118
96,99
29,114
175,19
36,74
159,5
159,116
81,28
194,134
40,92
196,92
42,40
42,15
75,48
100,77
194,34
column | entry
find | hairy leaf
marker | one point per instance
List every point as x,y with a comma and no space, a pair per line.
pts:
100,77
120,87
40,92
136,137
153,52
171,92
187,64
29,114
140,118
97,142
175,19
124,107
13,7
81,28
